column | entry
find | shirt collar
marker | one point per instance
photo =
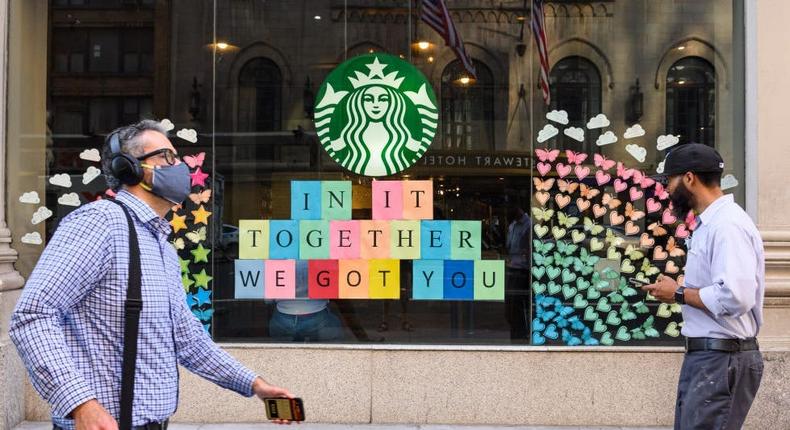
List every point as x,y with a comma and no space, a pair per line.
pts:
144,213
707,215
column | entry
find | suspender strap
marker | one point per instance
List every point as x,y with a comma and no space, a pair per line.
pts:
132,309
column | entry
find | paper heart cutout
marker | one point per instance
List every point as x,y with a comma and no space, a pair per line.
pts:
652,206
582,204
672,330
667,218
32,238
602,177
563,170
542,197
671,267
596,245
544,168
659,254
581,171
681,232
598,210
562,200
615,218
631,228
540,230
635,194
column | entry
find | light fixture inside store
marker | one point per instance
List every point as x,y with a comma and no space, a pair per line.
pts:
681,82
681,47
423,45
317,17
464,81
222,46
430,59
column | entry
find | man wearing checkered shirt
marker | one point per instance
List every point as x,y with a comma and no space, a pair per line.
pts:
68,325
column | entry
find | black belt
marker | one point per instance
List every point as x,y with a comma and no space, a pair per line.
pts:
149,426
725,345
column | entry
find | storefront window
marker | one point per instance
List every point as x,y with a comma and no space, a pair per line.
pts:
552,193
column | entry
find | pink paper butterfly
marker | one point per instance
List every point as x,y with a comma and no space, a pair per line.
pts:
603,162
624,172
195,161
661,193
546,155
575,157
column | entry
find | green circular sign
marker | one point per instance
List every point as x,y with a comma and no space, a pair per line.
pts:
376,114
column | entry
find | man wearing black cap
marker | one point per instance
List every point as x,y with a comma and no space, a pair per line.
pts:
722,295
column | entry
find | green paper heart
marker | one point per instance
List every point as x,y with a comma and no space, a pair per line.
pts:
672,329
568,276
540,230
599,326
538,288
603,305
622,334
596,245
613,319
558,232
663,311
590,314
606,339
538,271
579,302
554,288
553,272
593,294
568,291
581,284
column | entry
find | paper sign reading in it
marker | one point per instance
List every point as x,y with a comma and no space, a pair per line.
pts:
489,280
284,239
459,280
253,239
306,200
387,200
417,199
465,240
280,279
435,240
405,240
336,200
323,279
343,240
249,279
353,279
374,239
384,279
313,239
428,280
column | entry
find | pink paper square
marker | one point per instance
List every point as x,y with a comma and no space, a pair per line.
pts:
280,279
343,240
388,200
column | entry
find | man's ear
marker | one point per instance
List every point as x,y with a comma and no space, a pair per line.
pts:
690,180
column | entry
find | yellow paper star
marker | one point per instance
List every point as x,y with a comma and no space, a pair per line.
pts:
201,215
178,222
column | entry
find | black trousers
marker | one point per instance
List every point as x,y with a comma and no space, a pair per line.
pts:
716,389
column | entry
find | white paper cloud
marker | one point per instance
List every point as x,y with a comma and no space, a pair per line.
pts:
61,180
598,121
574,133
32,239
547,133
666,141
167,124
90,174
559,116
41,214
70,199
729,181
660,168
607,138
30,197
635,130
636,151
91,155
188,134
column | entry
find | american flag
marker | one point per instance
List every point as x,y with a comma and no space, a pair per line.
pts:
538,30
436,15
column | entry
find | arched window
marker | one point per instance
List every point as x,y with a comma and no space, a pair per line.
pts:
467,108
575,85
260,86
691,100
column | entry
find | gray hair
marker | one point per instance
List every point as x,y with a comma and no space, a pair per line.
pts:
130,138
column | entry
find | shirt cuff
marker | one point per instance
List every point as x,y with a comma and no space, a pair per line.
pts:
708,297
68,396
242,382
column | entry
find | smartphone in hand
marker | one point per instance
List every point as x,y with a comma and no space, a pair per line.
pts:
284,409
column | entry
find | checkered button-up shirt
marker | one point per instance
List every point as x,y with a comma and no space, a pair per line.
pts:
68,324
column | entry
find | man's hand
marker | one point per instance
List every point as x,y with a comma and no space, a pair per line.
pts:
92,416
265,390
663,289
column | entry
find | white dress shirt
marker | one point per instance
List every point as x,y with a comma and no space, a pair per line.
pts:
726,263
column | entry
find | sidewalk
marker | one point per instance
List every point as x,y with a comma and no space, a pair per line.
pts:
312,426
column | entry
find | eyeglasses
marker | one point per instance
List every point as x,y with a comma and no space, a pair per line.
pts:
170,157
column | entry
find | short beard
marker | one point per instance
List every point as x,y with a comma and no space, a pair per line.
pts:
682,201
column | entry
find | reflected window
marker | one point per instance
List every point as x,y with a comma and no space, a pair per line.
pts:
467,108
691,100
260,86
575,85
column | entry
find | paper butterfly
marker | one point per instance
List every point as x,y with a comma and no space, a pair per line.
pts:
603,162
661,192
575,157
547,155
178,243
195,160
673,249
567,186
588,192
542,185
657,229
592,227
541,214
201,197
197,236
630,212
566,220
610,201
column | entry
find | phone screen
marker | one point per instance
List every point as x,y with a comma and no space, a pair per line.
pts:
284,409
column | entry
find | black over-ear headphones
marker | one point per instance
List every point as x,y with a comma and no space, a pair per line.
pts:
124,167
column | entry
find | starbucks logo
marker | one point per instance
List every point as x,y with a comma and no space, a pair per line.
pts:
376,115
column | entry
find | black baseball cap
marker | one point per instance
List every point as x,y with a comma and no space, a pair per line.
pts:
692,157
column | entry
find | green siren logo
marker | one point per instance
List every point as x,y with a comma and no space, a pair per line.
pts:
376,114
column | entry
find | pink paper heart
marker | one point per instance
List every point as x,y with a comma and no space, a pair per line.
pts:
667,218
602,177
681,232
581,172
620,185
652,206
563,170
544,168
691,220
635,194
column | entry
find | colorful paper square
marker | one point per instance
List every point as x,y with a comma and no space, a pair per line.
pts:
284,239
353,279
323,279
374,240
405,240
313,239
280,279
435,240
336,200
490,280
428,280
384,279
459,283
387,200
465,240
253,239
343,240
417,200
305,200
249,276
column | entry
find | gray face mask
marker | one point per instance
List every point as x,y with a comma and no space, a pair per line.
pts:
172,183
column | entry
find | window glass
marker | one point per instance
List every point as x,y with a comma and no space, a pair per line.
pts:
536,153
